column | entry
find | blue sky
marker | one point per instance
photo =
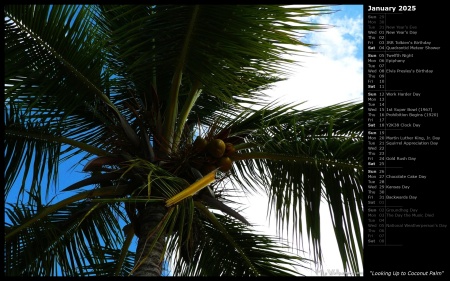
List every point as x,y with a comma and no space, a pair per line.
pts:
338,60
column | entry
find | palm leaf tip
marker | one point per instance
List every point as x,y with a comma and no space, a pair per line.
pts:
192,189
214,203
96,164
93,180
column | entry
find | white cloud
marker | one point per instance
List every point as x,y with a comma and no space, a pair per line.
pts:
332,71
340,41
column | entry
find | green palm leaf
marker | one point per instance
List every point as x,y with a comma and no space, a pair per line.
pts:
311,156
224,247
63,242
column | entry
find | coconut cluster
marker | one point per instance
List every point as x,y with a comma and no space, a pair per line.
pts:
213,154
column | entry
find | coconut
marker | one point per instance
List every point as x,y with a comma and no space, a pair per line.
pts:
229,149
200,144
224,164
216,148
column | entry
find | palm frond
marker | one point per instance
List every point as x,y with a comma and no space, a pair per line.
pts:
109,261
193,43
37,153
53,63
229,248
306,157
50,68
64,242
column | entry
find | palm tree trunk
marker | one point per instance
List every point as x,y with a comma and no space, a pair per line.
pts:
149,257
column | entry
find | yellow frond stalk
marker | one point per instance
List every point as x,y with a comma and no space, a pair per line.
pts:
192,189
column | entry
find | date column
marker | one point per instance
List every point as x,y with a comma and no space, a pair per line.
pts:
375,128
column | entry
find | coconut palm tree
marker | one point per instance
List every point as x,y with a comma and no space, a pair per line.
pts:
163,107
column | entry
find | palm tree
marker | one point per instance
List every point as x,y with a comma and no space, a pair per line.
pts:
163,105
